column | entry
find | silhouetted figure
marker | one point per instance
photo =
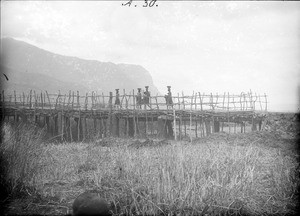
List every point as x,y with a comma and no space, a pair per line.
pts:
139,100
146,97
117,101
110,100
168,98
90,203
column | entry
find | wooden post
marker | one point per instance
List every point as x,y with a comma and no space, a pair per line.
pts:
228,113
95,123
200,101
70,127
48,99
30,99
134,122
202,126
183,100
174,116
78,103
79,127
23,99
180,123
196,127
266,101
224,100
103,128
191,139
156,102
15,96
42,101
85,128
178,101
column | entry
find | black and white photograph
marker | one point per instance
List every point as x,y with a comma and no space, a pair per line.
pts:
150,107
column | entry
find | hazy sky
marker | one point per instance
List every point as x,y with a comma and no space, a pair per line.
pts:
203,46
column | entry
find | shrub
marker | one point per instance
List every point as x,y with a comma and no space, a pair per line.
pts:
20,155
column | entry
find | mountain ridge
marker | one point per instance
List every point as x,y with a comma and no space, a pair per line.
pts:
92,75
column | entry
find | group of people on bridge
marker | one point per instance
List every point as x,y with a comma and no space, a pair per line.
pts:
143,98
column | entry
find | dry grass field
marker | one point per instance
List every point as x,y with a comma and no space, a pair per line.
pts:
238,174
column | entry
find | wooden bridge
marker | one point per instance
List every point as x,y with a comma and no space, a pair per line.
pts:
77,117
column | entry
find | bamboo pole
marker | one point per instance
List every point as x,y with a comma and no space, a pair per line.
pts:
63,119
183,100
211,101
23,99
228,113
224,100
30,98
174,116
103,101
180,123
191,117
178,101
70,127
42,101
15,96
86,101
242,108
134,122
78,100
73,100
200,101
48,99
196,128
266,102
146,126
195,101
152,123
79,126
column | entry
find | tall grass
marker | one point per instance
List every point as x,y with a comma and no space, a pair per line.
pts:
21,152
182,178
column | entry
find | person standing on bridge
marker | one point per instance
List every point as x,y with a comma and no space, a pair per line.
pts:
146,97
117,101
139,99
168,98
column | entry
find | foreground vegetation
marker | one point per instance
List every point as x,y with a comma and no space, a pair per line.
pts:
252,174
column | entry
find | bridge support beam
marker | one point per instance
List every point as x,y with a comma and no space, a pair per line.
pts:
115,126
165,129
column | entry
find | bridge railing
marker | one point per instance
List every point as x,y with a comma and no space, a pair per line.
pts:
93,101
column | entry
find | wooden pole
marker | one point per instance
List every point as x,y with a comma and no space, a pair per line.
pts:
30,99
180,123
146,126
178,101
70,127
174,116
79,127
134,122
191,117
228,113
196,127
266,102
183,100
200,101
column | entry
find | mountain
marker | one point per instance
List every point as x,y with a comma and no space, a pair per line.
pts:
29,67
